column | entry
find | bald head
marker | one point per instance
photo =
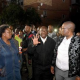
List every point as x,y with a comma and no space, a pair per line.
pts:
70,25
68,29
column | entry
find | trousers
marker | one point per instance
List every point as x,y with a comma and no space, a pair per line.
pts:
62,75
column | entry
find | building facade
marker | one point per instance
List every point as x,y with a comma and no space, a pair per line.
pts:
16,1
2,5
51,11
75,13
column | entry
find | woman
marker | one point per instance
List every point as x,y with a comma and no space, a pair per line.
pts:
9,60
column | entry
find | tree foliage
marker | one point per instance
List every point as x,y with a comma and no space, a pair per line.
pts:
15,15
32,16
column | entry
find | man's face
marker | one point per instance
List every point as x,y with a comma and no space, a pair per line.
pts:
43,32
11,27
50,29
64,30
27,29
17,31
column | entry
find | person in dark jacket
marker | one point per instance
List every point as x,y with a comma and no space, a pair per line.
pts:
67,54
27,58
42,48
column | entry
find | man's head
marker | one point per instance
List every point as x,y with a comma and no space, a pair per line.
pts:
50,29
20,33
17,31
78,34
38,30
27,28
11,27
43,31
68,28
60,32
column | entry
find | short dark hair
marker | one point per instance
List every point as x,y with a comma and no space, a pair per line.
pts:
28,25
44,27
3,28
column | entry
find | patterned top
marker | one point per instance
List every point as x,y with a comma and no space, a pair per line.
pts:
74,55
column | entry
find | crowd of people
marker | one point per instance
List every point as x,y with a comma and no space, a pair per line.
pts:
40,52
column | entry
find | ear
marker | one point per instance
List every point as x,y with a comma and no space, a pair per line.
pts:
3,34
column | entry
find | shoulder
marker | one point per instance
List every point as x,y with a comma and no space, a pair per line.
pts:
30,36
0,45
51,40
14,41
76,38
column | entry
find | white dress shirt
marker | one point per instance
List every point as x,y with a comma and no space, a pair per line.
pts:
62,60
43,40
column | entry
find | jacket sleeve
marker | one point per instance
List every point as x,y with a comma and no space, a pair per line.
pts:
79,62
54,56
2,60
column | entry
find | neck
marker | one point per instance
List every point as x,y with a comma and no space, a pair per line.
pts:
6,40
27,32
67,37
43,37
50,32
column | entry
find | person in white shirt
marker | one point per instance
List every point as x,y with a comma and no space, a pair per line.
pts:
66,60
51,32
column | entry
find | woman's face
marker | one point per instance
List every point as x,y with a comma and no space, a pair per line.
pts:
7,34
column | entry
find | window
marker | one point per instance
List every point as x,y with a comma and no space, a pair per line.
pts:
38,7
70,8
63,16
21,3
45,13
63,0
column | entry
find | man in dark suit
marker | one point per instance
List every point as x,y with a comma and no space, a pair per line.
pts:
42,48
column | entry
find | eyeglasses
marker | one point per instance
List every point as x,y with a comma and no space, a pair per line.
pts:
64,28
8,32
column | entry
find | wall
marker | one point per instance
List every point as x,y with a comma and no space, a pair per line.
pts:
56,12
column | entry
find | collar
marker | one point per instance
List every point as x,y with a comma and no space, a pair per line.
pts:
43,40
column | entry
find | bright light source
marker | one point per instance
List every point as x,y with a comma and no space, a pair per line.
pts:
42,15
41,4
55,30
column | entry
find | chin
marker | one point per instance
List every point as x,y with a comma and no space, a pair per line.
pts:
43,36
10,38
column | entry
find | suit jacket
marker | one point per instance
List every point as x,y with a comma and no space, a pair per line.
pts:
42,53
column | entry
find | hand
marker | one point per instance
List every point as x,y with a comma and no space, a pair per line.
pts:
52,69
25,49
77,78
35,39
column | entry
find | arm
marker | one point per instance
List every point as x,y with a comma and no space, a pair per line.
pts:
33,43
53,59
78,77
